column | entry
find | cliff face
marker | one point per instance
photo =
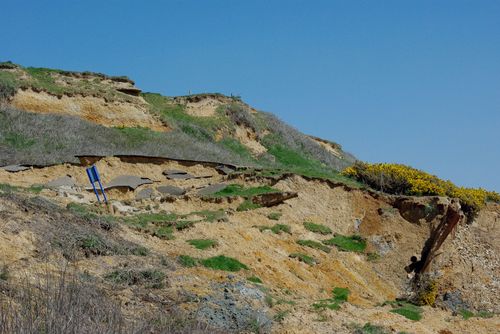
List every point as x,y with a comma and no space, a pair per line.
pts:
220,217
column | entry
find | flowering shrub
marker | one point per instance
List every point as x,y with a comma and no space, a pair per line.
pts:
404,180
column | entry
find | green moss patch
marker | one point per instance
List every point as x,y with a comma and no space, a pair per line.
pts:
317,228
352,243
276,228
202,243
314,244
303,258
238,190
254,279
248,205
222,262
406,309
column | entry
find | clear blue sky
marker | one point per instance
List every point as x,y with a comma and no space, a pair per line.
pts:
416,82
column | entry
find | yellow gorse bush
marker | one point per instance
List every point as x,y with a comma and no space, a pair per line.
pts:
405,180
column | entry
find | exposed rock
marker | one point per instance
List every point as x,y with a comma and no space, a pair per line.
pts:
144,194
235,307
212,189
171,190
65,181
122,208
128,181
224,170
273,199
15,168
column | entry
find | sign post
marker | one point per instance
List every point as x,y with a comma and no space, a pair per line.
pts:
94,177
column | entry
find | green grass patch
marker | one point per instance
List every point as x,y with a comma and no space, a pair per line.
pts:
248,205
276,228
164,232
274,215
238,190
296,162
184,224
222,262
202,243
368,328
7,188
254,279
353,243
314,244
467,314
407,310
303,258
340,295
317,228
150,278
187,261
237,147
372,257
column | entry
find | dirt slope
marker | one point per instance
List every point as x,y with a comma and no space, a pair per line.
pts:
290,287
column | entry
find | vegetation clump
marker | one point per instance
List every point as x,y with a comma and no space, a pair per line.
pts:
151,278
353,243
276,228
314,244
467,314
187,261
405,180
254,279
274,215
248,205
407,310
303,258
222,262
317,228
202,243
238,190
219,262
340,295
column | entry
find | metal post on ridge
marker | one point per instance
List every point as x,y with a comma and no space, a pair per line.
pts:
94,177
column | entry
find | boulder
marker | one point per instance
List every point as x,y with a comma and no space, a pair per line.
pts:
144,194
273,199
171,190
65,181
212,189
14,168
128,181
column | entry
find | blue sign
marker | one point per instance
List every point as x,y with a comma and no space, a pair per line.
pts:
94,177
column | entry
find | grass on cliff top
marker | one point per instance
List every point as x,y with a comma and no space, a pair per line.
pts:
238,190
353,243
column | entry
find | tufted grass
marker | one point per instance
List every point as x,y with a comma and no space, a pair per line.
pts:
238,190
222,262
303,258
202,244
317,228
353,243
314,244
